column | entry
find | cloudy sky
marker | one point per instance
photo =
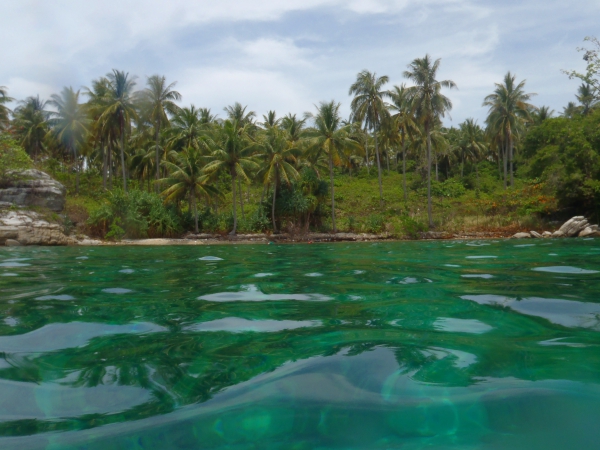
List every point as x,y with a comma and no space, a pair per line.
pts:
288,55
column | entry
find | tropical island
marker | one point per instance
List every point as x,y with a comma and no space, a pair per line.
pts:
136,164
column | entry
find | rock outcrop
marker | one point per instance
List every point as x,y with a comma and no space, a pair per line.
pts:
576,226
29,228
34,188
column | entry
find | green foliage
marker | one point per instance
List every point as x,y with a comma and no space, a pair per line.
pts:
138,214
12,158
374,223
450,188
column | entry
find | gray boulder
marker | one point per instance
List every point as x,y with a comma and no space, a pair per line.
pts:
521,236
546,234
34,188
574,226
587,231
535,234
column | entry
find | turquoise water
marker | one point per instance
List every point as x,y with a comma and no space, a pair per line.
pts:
466,345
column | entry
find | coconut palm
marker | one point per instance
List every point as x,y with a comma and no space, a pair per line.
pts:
542,114
270,120
160,99
206,117
4,111
571,110
31,124
186,128
585,96
278,155
331,138
103,131
187,179
508,111
405,123
119,107
232,151
428,104
471,144
369,107
237,113
70,124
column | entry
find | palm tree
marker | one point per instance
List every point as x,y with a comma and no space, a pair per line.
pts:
186,128
160,99
278,154
101,129
270,120
238,113
428,104
571,110
232,151
206,118
331,138
187,179
585,95
542,114
508,111
405,123
368,106
31,124
119,106
4,111
70,124
472,144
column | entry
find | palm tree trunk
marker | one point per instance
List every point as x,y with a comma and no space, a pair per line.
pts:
104,158
510,156
429,209
367,151
109,165
436,167
378,171
234,201
332,193
241,196
123,155
504,152
273,207
387,158
404,168
157,132
78,169
195,212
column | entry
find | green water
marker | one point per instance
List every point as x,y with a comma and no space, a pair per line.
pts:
466,345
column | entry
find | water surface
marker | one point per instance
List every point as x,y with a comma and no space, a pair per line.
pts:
390,345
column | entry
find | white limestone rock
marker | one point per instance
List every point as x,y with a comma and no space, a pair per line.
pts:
521,235
535,234
34,188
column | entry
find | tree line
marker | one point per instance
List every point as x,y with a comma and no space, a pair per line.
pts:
181,152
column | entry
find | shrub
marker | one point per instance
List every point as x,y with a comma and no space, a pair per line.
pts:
12,158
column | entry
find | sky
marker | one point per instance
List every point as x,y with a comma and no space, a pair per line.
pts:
288,55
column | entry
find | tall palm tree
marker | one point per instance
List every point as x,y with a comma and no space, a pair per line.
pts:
119,106
405,122
186,128
331,138
571,110
429,104
206,117
232,151
369,107
187,179
4,111
70,124
31,124
508,111
160,99
101,129
278,155
270,120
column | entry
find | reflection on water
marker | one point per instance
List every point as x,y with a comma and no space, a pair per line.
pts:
392,345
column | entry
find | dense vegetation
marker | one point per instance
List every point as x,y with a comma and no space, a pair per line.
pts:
137,164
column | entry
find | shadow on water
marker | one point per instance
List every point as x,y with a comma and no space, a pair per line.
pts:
412,345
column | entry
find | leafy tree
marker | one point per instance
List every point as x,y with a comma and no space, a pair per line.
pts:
188,179
369,107
119,107
508,112
429,104
70,124
232,151
591,77
331,138
160,100
12,158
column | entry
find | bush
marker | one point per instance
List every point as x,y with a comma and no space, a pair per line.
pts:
12,158
136,214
